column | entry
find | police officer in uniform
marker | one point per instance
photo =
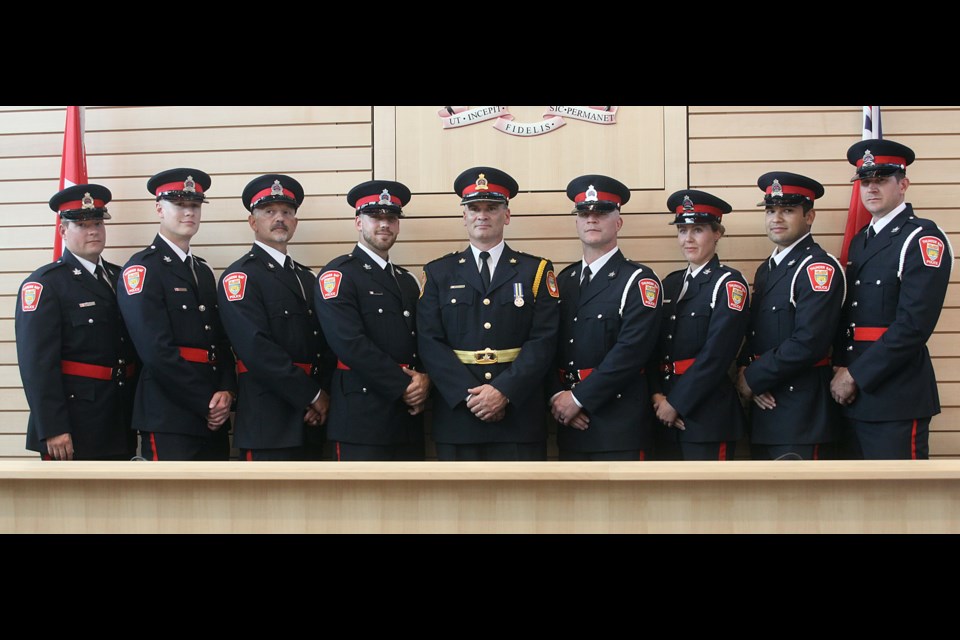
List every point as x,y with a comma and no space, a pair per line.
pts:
488,320
898,269
797,295
367,306
266,305
76,360
168,298
610,312
705,313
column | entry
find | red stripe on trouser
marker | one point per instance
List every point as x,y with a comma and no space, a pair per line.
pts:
338,451
248,456
816,452
46,456
723,451
643,455
913,441
153,447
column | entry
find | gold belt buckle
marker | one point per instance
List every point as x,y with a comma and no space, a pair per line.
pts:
486,356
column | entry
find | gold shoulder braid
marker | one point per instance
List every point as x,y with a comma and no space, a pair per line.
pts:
539,277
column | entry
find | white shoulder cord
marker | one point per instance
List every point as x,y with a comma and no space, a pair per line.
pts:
626,289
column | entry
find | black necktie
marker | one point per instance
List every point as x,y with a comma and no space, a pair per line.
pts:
193,269
291,274
102,277
585,280
871,233
686,283
485,269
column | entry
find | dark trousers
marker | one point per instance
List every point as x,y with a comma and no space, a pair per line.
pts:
492,451
894,440
787,452
629,455
669,449
291,454
349,452
179,446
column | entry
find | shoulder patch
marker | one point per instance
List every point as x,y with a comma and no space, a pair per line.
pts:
931,247
821,275
736,295
330,284
30,296
234,285
552,285
133,278
650,291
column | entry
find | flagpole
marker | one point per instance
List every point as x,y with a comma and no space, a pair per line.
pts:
73,164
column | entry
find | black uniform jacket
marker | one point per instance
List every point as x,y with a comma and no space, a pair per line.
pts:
794,313
65,314
268,314
612,344
707,326
165,310
456,313
369,318
897,282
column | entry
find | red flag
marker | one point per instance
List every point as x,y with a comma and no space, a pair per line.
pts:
857,215
73,165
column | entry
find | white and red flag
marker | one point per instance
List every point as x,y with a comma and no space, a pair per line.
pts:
857,215
73,164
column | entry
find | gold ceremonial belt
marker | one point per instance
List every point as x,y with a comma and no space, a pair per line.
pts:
487,356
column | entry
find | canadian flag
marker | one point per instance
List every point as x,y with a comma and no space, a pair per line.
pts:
73,165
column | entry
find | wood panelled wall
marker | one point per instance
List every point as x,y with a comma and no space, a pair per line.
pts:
329,149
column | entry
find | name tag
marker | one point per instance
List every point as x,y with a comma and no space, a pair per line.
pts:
87,304
457,286
376,293
180,289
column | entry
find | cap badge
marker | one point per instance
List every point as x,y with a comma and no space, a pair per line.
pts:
591,195
687,204
190,185
385,197
776,190
868,160
276,189
482,183
87,201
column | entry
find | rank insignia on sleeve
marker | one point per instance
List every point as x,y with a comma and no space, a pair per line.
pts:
234,285
330,284
736,295
650,291
932,249
30,296
552,285
821,276
133,279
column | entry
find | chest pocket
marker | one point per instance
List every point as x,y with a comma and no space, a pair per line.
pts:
379,309
598,324
96,315
457,309
692,326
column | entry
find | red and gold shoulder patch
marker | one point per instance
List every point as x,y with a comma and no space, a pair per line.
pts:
649,292
133,278
736,295
234,285
821,276
330,284
932,249
552,285
30,296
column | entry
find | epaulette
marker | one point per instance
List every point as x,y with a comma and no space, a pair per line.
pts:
302,267
339,260
449,255
47,268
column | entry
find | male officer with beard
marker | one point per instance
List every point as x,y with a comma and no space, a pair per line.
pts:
797,294
367,307
76,359
898,269
266,304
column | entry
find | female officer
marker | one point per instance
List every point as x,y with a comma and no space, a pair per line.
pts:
704,321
